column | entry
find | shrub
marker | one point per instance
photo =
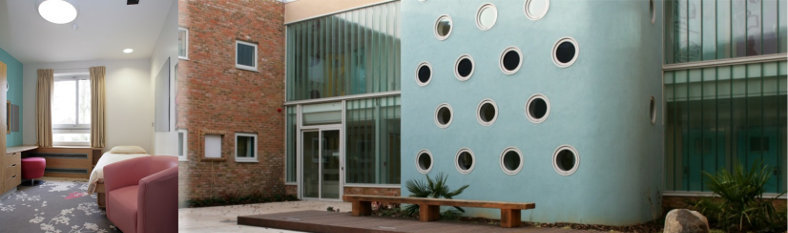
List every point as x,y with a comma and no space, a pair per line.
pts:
741,206
235,199
436,188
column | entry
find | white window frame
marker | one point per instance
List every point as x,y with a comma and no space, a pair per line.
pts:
185,146
245,67
185,43
72,127
432,161
457,161
253,159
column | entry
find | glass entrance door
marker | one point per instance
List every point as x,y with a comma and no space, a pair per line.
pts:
321,163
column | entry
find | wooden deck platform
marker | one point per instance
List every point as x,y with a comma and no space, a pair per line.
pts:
330,222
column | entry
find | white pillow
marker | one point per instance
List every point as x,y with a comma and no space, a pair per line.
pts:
127,150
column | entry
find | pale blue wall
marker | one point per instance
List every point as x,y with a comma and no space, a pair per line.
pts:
14,92
599,105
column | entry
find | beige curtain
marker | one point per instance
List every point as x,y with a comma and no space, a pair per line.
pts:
97,107
46,82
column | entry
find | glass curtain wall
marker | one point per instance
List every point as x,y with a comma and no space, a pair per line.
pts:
699,30
345,54
720,116
724,115
354,52
373,141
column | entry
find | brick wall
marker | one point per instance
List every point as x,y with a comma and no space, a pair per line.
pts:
214,96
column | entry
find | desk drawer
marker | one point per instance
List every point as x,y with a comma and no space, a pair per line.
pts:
12,159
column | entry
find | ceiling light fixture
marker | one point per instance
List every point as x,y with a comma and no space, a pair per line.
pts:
57,11
128,50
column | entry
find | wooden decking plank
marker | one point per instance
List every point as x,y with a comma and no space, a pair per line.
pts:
330,222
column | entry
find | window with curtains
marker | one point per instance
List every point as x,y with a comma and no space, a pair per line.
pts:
71,110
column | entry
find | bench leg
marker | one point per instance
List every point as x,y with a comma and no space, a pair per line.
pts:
362,208
510,218
429,212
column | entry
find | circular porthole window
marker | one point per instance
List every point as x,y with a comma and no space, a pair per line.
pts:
652,10
511,161
463,68
486,17
536,9
464,161
565,52
511,59
424,161
537,108
487,112
424,74
565,160
443,115
443,27
652,109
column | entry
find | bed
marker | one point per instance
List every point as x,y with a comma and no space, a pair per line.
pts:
116,154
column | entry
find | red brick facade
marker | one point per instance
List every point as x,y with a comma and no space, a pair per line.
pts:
216,97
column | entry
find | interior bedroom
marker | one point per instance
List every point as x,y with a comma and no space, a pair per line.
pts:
88,138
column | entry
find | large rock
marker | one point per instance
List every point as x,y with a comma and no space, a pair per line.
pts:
685,221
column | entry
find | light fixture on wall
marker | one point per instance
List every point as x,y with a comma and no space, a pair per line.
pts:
128,50
57,11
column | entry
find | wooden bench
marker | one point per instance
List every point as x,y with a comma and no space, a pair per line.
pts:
429,208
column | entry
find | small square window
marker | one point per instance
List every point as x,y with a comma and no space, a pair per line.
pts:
245,147
183,141
245,55
183,43
213,146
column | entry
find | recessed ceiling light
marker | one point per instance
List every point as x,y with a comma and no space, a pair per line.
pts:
57,11
129,50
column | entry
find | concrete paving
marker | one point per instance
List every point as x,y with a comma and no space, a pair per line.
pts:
223,218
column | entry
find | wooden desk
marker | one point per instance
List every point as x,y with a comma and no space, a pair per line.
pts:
12,167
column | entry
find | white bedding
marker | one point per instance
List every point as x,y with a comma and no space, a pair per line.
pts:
107,158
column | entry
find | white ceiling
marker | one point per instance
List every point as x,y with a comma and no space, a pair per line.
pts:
104,29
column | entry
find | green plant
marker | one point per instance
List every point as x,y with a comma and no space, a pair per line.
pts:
433,188
741,206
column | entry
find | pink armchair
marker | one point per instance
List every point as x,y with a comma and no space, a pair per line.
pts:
142,194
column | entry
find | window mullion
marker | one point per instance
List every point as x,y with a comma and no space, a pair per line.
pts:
76,103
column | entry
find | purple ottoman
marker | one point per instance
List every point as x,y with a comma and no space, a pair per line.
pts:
33,168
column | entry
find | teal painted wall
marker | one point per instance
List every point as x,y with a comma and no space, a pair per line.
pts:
599,105
14,92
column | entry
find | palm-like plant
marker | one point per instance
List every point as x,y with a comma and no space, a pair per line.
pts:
741,194
433,188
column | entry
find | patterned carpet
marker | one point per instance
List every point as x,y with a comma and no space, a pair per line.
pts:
56,206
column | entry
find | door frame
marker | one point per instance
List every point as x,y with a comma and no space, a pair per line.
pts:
300,156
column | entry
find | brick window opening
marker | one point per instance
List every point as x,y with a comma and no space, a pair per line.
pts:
245,147
245,55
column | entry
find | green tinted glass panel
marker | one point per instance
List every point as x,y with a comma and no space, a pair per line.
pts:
697,30
350,53
373,141
720,116
290,134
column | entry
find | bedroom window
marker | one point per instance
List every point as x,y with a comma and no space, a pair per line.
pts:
71,110
183,147
245,55
245,147
183,43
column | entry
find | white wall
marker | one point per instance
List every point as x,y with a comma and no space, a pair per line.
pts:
166,143
129,114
